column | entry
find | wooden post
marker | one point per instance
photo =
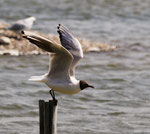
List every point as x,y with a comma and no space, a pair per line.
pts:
48,117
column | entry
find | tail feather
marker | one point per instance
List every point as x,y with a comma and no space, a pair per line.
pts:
37,78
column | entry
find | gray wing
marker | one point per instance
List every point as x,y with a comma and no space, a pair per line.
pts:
17,27
61,58
22,24
71,44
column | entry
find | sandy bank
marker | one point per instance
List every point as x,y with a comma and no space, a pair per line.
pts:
12,43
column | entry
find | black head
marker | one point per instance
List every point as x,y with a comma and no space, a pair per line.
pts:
84,84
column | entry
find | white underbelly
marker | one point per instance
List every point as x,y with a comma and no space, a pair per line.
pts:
65,89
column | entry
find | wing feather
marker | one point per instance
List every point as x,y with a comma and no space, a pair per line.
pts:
71,44
61,59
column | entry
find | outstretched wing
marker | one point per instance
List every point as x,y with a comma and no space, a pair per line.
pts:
61,58
71,44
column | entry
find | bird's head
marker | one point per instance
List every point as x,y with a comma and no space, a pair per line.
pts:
32,18
84,84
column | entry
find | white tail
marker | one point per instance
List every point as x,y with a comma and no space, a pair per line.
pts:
37,78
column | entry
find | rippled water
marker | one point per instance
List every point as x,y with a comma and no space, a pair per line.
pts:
120,102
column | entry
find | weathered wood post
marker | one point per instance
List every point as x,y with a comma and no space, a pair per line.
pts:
48,117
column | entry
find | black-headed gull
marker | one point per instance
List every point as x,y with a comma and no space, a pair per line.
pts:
22,24
63,60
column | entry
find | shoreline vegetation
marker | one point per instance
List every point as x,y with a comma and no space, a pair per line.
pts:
12,43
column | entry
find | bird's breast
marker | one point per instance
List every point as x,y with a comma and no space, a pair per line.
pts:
65,88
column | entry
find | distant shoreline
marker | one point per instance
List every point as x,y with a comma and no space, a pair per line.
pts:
12,43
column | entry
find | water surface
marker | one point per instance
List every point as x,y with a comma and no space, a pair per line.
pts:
120,102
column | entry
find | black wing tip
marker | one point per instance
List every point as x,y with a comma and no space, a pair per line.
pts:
60,34
58,27
62,27
59,30
22,32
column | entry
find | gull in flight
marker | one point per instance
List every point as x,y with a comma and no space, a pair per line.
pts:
63,60
21,24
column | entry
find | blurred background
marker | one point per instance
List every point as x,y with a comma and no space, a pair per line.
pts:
120,102
105,20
